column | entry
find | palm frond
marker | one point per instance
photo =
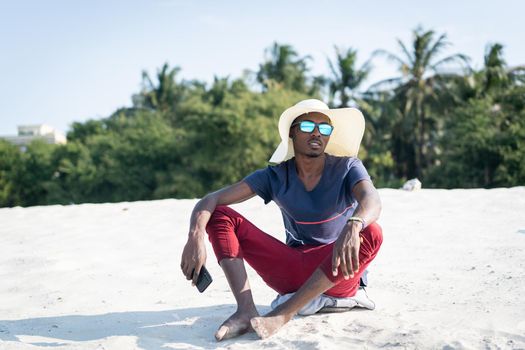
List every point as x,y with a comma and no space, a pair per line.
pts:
435,49
389,56
386,82
455,58
407,53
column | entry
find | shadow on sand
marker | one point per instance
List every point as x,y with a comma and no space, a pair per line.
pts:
153,330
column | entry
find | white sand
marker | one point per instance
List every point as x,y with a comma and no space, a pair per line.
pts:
450,275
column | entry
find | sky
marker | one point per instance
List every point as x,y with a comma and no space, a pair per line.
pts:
64,61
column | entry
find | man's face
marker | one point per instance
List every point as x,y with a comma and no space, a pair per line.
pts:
312,144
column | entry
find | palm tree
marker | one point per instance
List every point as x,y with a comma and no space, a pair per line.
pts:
490,81
163,95
221,87
346,78
418,90
284,67
496,75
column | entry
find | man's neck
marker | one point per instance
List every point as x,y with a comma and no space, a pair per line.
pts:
308,167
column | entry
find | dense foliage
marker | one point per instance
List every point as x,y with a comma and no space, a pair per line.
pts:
438,120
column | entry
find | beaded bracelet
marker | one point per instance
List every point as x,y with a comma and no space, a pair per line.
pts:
357,218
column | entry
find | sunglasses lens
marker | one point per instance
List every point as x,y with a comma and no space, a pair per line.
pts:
307,126
325,129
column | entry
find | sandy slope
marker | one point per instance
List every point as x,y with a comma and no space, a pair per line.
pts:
451,275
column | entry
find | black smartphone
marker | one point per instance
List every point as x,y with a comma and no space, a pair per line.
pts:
204,279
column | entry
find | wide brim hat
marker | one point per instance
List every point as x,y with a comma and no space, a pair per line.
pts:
348,123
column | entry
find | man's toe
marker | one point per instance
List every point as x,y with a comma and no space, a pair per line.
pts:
221,332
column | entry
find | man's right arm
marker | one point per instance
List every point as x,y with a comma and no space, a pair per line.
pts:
194,253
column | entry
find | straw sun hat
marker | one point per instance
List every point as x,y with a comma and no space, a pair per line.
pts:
349,126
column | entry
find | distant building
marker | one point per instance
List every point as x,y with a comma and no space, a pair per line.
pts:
29,133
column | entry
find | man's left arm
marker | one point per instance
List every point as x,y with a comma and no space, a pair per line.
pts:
346,248
369,203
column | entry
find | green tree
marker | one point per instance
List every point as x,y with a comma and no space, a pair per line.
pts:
133,152
484,145
75,176
164,95
283,67
484,142
495,77
376,149
419,91
346,78
494,74
82,131
225,141
10,164
36,173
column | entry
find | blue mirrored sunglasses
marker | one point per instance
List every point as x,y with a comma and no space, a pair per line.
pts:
325,129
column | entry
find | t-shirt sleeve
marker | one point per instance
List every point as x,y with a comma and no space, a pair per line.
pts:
259,182
356,172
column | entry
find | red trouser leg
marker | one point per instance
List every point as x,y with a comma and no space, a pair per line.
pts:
283,268
372,237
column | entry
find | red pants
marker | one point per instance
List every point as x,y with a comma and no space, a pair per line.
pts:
284,268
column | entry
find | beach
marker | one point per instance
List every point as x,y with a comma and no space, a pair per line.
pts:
450,275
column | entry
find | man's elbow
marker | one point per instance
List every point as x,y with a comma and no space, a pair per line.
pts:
376,203
379,207
207,200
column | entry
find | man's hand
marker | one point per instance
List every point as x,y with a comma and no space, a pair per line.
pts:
193,257
346,250
194,253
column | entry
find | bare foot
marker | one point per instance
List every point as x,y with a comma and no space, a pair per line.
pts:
236,325
268,325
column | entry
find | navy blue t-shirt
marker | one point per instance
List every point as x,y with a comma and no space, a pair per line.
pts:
316,216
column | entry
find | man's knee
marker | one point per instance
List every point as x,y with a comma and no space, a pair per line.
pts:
222,215
373,235
221,229
221,212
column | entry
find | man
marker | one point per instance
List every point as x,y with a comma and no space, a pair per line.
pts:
329,208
